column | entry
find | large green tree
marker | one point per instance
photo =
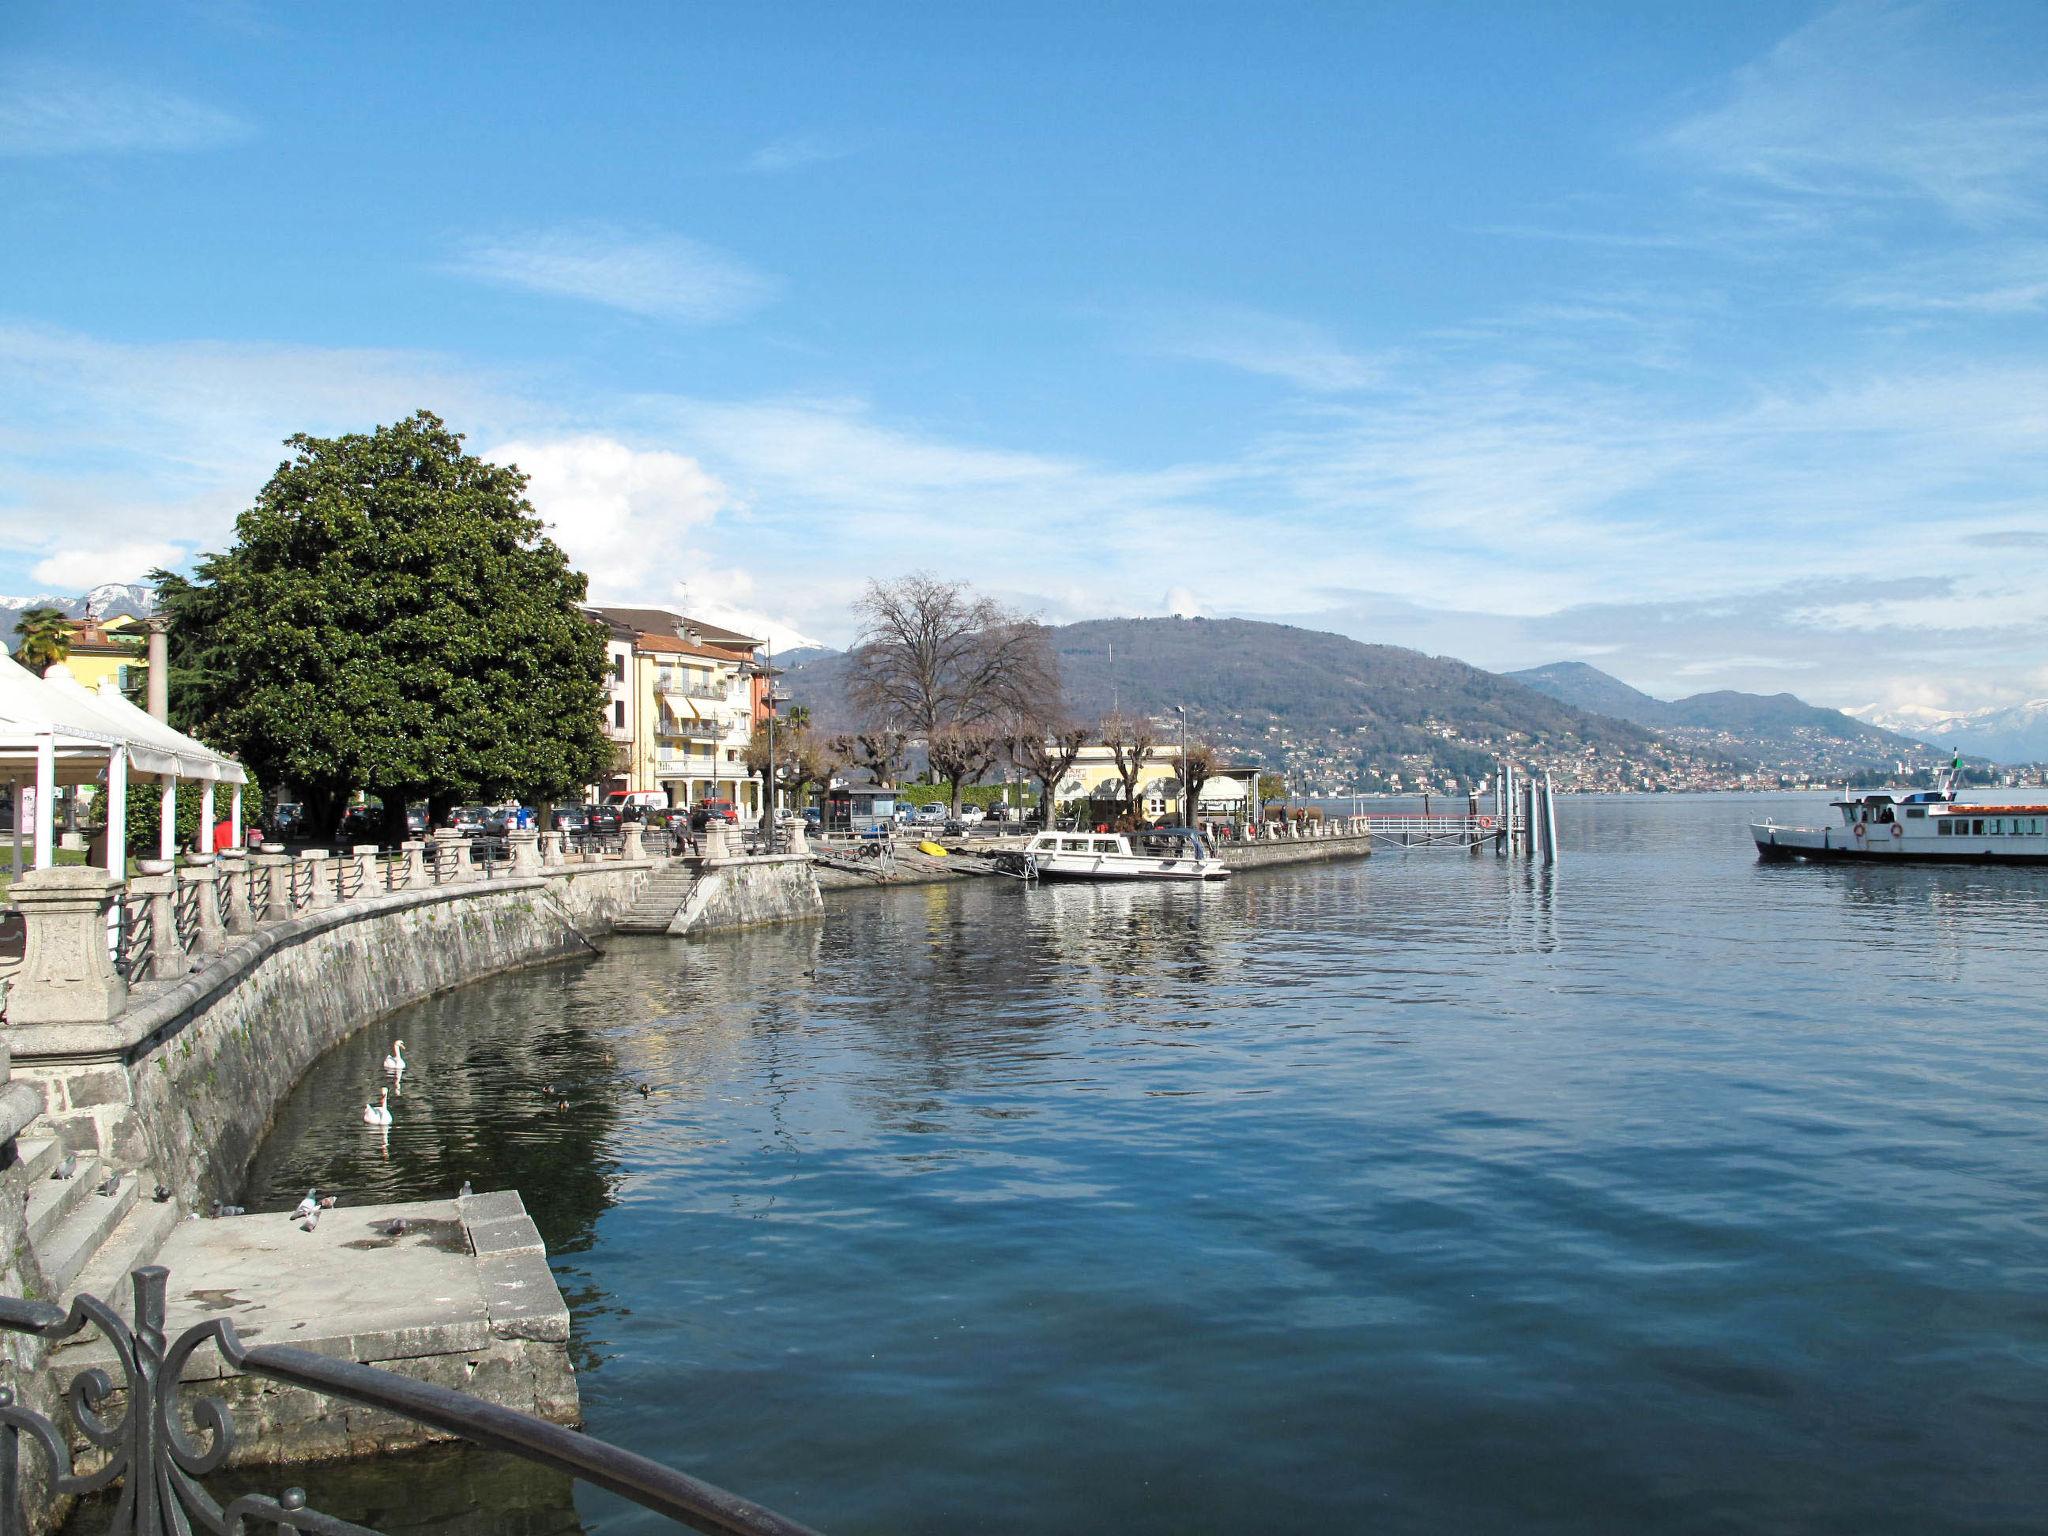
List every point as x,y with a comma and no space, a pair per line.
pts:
392,617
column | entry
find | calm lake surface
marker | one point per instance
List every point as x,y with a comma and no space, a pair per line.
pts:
1664,1192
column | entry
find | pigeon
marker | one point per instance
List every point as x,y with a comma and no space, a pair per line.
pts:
65,1169
307,1206
465,1192
328,1202
397,1227
109,1184
163,1194
312,1221
220,1210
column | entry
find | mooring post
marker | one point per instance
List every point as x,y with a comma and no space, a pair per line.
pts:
1549,819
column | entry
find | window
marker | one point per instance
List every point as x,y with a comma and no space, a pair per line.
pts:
1997,826
618,669
1073,845
1916,814
1105,845
1944,828
1977,827
618,714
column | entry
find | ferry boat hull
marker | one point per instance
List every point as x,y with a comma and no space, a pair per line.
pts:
1174,854
1914,827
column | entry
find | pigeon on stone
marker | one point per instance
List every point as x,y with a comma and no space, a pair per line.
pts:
220,1210
328,1202
109,1184
397,1227
65,1169
163,1194
313,1220
307,1206
465,1192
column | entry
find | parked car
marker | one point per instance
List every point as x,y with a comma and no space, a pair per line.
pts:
416,820
813,818
933,815
567,818
467,819
361,823
971,815
601,818
704,812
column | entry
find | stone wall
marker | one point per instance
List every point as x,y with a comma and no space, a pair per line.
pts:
1287,850
184,1083
750,893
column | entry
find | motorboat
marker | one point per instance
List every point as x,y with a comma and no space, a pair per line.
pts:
1162,853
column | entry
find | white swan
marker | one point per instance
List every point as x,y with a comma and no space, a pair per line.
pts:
396,1062
378,1113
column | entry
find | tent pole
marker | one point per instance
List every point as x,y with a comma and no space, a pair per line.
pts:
167,826
206,816
14,797
235,816
117,813
46,796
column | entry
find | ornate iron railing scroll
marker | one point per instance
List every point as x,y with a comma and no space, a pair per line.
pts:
159,1461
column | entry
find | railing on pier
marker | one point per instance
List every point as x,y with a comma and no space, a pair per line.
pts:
158,1461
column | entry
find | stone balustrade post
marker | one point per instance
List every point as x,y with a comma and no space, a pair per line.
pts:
451,856
551,846
525,851
167,953
415,861
323,881
629,841
794,838
277,892
234,891
364,857
66,975
715,844
200,871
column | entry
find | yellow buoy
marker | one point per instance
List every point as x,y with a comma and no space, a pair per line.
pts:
933,849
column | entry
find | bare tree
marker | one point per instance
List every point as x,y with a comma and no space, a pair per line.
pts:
1049,756
882,752
934,654
1130,742
1197,768
961,754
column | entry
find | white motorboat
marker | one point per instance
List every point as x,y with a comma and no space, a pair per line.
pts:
1917,826
1165,853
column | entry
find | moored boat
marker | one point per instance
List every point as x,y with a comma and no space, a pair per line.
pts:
1917,826
1164,853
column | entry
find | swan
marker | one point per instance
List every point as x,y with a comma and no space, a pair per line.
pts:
378,1113
396,1062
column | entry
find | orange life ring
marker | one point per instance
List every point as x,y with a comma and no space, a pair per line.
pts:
1898,829
1859,829
1485,821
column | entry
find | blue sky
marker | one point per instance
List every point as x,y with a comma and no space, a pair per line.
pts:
1704,343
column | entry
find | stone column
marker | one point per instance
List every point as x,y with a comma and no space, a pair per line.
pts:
415,862
167,954
277,900
364,857
66,975
715,846
793,838
525,852
234,890
455,860
629,841
323,882
208,937
159,676
551,847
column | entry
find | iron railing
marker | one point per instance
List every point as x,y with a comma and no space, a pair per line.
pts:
159,1462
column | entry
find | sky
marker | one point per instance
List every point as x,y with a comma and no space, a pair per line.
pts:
1702,343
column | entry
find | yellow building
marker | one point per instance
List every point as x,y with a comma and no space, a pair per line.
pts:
109,649
681,708
1094,777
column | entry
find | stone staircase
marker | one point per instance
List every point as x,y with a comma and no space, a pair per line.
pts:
85,1239
657,902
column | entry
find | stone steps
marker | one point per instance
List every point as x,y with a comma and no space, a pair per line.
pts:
131,1244
71,1243
656,903
36,1157
50,1200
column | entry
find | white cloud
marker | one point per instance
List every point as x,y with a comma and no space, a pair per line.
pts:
49,109
75,569
1182,603
621,513
1257,342
796,151
665,277
729,596
1881,101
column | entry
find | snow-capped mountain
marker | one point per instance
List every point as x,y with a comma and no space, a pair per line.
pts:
106,600
2012,733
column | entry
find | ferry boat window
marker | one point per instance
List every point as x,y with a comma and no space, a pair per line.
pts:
1977,827
1105,845
1916,814
1073,845
1944,828
1997,826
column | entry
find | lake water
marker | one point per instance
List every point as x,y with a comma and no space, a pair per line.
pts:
1662,1192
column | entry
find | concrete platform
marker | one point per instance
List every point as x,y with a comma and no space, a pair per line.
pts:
463,1298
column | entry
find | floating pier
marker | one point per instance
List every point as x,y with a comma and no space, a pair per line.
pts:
1523,821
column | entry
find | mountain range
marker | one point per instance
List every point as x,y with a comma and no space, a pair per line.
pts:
1761,723
2014,733
1338,711
105,600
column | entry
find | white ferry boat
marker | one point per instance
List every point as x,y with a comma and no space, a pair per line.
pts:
1166,853
1916,826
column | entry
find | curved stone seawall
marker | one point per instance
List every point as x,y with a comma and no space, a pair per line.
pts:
1289,850
184,1084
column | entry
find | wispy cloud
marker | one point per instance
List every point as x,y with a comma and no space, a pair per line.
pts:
2008,278
50,109
1257,342
795,152
1879,101
663,276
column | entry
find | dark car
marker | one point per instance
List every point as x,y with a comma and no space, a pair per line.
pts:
601,818
362,823
707,811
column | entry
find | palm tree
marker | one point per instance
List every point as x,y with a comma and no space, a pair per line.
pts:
798,718
45,638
